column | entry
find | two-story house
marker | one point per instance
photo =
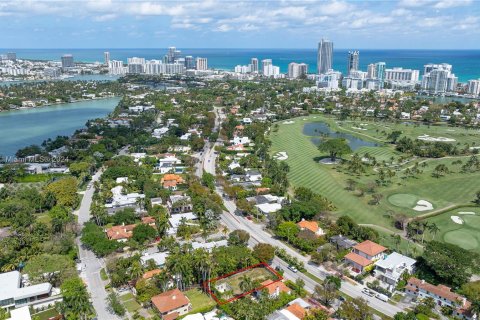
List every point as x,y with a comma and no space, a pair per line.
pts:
364,254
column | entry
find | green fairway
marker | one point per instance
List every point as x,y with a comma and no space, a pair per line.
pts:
465,235
400,196
403,200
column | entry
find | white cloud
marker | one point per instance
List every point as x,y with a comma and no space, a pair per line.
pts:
105,17
223,28
445,4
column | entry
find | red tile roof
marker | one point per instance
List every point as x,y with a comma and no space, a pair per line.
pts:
170,300
440,290
151,273
120,232
272,286
297,310
309,225
370,248
358,259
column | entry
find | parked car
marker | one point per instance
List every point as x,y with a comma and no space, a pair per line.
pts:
293,268
278,268
368,292
381,297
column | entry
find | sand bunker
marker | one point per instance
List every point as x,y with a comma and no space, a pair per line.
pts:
423,205
282,155
288,122
357,128
457,219
467,212
426,137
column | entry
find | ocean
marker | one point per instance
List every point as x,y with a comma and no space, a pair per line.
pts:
466,63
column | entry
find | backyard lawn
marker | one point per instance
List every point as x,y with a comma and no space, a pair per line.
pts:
45,315
200,301
259,274
130,302
401,196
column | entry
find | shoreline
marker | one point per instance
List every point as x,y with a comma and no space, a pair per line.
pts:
57,103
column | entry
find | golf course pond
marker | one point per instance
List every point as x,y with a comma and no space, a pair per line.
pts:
317,130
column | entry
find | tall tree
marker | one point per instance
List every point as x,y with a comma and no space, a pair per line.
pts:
335,147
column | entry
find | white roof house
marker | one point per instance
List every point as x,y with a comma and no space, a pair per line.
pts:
13,294
240,140
176,219
390,269
123,200
209,245
158,257
267,208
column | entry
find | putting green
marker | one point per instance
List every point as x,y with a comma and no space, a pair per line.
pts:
404,200
462,238
472,221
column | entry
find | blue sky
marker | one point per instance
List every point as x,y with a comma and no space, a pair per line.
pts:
422,24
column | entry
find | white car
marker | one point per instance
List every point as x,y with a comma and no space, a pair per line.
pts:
368,292
292,268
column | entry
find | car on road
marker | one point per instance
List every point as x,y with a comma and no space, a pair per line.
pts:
293,268
382,297
278,268
368,292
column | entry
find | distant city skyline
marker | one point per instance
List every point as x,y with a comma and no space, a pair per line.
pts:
361,25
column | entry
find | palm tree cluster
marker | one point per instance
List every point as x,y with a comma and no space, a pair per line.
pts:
418,227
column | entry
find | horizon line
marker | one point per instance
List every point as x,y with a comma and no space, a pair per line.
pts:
252,48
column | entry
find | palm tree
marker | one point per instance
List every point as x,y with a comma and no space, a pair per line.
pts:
245,283
136,270
8,267
475,307
434,229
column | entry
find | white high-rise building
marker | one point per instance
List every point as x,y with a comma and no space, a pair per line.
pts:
324,56
136,65
296,70
243,69
439,78
116,67
270,70
158,67
265,64
400,74
254,63
352,83
106,56
371,71
473,87
201,64
353,61
329,80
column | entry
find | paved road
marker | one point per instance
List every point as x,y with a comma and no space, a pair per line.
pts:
92,264
258,234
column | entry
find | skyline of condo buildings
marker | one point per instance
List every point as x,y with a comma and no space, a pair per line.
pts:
437,78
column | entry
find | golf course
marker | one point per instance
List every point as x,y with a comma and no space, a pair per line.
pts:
295,141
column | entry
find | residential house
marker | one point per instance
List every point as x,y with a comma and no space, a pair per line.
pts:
124,232
169,163
390,269
364,254
120,233
150,274
13,293
310,226
274,288
209,246
342,242
158,257
179,204
170,181
253,175
442,295
240,140
171,304
120,201
176,220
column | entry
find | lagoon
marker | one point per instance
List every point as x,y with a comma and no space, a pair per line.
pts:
317,130
21,128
